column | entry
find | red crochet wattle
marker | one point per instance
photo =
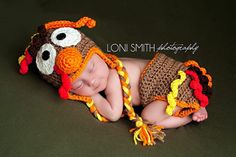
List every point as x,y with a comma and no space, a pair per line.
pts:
197,87
66,86
25,62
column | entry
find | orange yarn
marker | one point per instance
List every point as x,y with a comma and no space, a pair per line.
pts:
68,60
187,108
78,97
203,70
90,23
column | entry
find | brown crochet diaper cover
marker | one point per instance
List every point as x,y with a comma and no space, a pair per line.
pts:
155,84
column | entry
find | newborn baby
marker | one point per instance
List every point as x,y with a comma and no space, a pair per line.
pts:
97,77
172,93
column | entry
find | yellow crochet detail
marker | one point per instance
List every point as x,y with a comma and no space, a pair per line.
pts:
93,110
21,58
174,93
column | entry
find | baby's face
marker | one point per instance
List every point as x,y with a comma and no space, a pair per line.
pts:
93,78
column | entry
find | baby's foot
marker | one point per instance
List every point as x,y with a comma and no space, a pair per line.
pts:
200,115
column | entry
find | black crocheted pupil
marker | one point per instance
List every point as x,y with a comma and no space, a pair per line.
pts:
61,36
45,55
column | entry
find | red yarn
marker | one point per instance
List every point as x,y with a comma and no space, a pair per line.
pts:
28,57
23,66
66,86
63,93
25,62
195,84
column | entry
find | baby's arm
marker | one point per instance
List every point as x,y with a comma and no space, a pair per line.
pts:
111,107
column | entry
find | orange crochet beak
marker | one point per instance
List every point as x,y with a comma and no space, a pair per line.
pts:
69,60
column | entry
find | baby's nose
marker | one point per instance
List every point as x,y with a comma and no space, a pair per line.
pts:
68,60
92,83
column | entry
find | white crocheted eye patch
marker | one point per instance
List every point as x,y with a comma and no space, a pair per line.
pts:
45,59
65,37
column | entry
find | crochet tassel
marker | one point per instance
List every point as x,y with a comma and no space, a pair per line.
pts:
147,134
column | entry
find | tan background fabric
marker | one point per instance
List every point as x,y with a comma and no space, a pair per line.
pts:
34,121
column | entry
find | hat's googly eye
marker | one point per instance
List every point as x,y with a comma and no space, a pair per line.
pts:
66,37
61,36
45,55
45,59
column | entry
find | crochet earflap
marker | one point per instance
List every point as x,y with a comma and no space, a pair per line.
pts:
61,52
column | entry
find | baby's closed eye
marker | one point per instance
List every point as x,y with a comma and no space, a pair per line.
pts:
77,84
91,67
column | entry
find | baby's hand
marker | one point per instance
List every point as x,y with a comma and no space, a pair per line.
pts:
111,111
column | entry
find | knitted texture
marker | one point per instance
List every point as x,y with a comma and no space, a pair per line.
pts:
156,79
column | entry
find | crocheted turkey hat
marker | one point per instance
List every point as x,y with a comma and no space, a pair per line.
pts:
60,50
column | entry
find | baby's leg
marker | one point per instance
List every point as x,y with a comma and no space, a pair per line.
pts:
154,113
174,122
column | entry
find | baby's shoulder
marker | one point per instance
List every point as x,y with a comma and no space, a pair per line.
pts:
113,88
113,79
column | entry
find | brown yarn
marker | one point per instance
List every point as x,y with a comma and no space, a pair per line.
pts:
157,77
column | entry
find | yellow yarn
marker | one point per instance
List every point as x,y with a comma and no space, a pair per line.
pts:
21,58
139,123
174,93
95,112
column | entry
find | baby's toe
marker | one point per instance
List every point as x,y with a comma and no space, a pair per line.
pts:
199,119
202,118
195,117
